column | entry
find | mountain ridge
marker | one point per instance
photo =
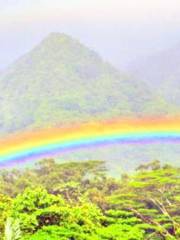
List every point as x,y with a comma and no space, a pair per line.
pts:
62,81
161,72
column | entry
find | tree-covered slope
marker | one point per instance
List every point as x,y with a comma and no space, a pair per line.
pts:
61,81
80,201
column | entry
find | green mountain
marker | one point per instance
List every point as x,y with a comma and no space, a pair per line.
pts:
61,81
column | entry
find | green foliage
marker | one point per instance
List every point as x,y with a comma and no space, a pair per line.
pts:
79,201
62,81
5,204
35,207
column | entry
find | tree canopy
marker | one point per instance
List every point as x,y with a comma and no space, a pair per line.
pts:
81,201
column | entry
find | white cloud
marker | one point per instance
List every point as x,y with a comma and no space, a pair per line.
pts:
118,9
92,10
133,26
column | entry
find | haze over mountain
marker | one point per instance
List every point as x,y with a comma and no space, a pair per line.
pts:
162,73
61,81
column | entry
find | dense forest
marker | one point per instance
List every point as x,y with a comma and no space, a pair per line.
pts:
81,201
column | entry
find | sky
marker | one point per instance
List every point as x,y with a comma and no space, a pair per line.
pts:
121,31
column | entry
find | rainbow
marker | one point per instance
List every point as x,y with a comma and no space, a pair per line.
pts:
51,142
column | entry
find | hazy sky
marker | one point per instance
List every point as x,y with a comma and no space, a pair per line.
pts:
120,30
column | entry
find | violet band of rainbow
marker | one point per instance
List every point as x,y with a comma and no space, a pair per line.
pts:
52,142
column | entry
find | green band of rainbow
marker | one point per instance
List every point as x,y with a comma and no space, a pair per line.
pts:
51,142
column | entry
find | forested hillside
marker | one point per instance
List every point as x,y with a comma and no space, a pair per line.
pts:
89,120
61,81
80,201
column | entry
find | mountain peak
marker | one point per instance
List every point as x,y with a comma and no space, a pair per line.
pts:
61,81
56,36
55,39
63,47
